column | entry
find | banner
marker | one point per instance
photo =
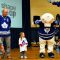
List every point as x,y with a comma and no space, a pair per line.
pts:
15,11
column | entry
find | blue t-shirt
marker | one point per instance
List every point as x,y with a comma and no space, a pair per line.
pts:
5,23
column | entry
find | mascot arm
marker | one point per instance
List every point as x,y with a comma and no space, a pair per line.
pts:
38,21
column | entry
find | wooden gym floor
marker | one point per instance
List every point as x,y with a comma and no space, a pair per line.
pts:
32,54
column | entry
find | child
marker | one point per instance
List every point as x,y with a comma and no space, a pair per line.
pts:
23,45
2,50
58,47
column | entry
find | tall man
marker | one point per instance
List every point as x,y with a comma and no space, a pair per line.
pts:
5,23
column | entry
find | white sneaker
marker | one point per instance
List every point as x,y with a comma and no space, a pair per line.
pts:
25,56
22,57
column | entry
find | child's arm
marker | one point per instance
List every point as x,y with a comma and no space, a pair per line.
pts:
2,49
21,45
20,42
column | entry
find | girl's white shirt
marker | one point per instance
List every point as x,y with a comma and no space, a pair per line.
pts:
24,47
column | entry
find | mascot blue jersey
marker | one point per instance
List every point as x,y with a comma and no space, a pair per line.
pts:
46,35
5,23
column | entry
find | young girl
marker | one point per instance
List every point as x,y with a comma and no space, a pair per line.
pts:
23,45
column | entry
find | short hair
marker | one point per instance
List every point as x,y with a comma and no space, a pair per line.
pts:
4,9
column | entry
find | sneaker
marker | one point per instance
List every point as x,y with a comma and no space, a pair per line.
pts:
42,55
22,57
51,55
25,56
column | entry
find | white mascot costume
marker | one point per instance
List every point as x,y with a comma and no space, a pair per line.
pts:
47,33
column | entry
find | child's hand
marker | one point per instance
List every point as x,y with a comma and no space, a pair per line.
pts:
3,51
21,45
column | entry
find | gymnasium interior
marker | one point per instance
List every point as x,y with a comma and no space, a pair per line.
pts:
22,20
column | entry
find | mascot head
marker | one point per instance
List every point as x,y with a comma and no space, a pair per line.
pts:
47,19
